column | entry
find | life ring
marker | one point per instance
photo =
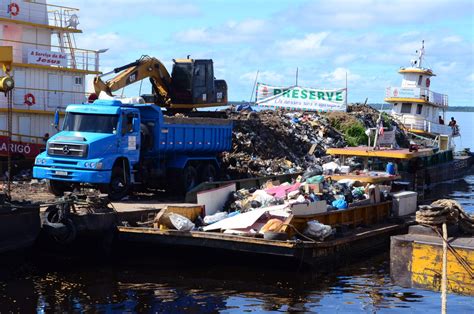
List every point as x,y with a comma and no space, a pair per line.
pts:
29,100
13,9
428,82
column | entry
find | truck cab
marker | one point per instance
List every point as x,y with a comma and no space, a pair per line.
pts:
113,146
98,144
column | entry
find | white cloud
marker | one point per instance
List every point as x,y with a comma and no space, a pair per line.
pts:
345,58
310,45
470,77
339,76
349,14
445,67
97,13
454,39
230,32
268,77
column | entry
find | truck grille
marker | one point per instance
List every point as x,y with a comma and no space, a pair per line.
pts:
67,149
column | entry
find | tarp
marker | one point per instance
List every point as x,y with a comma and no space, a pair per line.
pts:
247,219
301,98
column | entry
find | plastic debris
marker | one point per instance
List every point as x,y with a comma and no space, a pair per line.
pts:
317,230
181,223
339,204
210,219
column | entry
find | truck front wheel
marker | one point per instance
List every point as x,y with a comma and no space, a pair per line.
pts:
119,184
58,187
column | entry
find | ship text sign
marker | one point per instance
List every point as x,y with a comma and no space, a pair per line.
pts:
46,57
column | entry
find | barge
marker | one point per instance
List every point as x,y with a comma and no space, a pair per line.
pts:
19,225
416,261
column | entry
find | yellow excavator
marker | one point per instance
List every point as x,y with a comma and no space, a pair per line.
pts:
190,85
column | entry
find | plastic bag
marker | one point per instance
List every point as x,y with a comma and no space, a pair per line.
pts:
318,230
315,179
263,198
181,223
210,219
339,204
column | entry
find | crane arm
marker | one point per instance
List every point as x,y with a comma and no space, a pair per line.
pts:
145,67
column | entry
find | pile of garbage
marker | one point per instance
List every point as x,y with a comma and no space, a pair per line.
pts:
273,142
271,208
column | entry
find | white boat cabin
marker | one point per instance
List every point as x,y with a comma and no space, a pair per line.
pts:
415,105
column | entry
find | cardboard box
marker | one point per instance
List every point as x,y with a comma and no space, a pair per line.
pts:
305,209
317,188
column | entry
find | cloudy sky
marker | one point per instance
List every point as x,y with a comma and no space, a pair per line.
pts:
367,39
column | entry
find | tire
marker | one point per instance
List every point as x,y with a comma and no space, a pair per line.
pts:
189,178
207,173
119,185
57,187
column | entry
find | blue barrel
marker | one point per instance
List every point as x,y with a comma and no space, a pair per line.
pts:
390,169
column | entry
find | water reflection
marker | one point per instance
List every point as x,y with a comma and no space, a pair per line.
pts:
360,287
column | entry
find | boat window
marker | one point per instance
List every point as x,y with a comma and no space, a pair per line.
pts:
420,78
406,108
419,108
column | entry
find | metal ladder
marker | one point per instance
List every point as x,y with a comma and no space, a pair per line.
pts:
66,40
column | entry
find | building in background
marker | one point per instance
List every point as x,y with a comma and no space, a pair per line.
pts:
48,69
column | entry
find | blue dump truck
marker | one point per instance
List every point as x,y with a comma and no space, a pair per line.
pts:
115,146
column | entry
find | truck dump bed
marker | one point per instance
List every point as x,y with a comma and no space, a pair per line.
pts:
194,135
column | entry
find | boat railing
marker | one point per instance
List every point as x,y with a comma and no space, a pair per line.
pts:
420,124
47,100
426,94
75,58
40,13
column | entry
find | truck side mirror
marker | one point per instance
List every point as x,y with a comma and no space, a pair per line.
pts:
56,119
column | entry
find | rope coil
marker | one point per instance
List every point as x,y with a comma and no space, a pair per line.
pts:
445,210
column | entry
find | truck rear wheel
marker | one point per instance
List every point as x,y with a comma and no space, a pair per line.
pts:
119,185
207,173
189,178
57,187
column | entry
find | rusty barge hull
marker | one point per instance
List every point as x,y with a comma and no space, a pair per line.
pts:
19,227
358,244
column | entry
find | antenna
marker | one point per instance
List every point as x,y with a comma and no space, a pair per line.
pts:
296,77
421,53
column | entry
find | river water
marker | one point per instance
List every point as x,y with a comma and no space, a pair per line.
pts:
44,284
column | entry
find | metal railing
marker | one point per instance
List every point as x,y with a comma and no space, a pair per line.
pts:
40,13
43,99
414,123
417,93
24,138
76,58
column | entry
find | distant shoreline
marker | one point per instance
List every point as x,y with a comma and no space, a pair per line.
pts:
450,109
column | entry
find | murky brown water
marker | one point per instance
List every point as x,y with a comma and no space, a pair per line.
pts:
166,286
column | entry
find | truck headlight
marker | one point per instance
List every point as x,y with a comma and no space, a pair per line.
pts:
40,161
87,165
92,164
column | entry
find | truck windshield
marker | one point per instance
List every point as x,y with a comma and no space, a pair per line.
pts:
96,123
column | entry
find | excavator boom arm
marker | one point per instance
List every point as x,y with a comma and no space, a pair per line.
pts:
145,67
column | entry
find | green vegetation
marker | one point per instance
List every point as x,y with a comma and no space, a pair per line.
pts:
352,129
355,135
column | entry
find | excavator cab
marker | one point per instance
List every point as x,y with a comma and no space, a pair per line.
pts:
193,82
